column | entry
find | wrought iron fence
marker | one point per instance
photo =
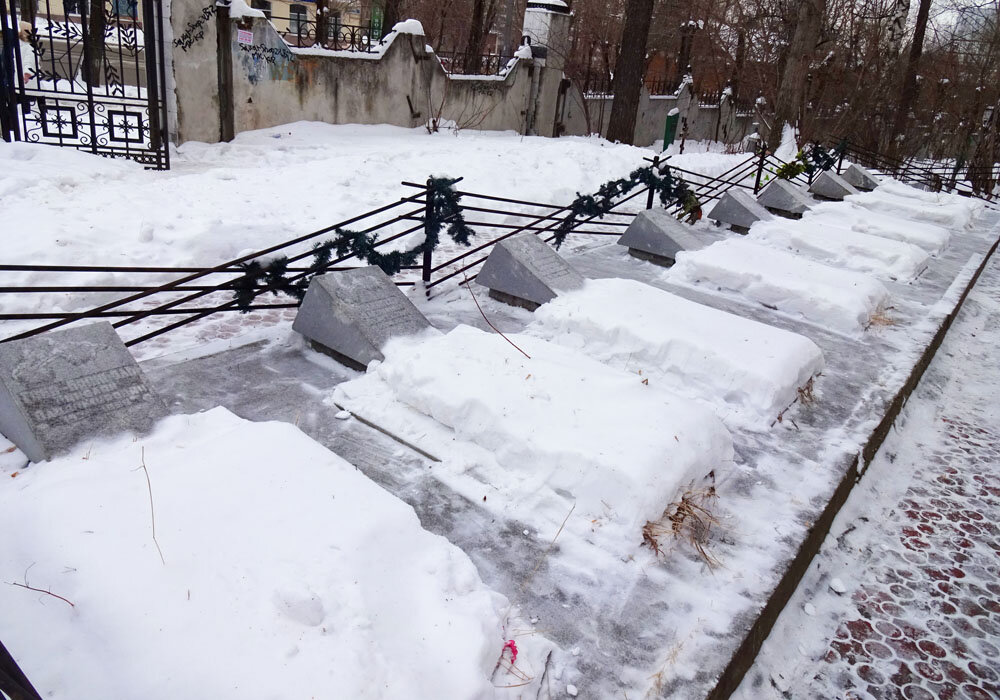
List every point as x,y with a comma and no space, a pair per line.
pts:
301,30
462,63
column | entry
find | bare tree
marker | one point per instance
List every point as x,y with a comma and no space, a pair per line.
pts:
908,93
630,68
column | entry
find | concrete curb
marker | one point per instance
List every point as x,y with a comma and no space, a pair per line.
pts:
745,655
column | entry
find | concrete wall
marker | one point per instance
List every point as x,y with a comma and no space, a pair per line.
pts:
698,122
195,70
405,86
272,83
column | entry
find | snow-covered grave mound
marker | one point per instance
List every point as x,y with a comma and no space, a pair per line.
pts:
848,214
544,434
748,371
840,300
286,573
950,211
842,247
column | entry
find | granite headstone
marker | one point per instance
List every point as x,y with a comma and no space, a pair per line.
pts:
829,185
351,314
860,178
62,387
524,271
657,236
738,210
785,199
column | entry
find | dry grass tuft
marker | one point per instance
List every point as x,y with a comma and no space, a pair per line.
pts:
805,392
881,319
687,520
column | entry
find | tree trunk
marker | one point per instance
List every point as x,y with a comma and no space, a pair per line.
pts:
908,93
483,15
791,91
390,15
629,70
96,24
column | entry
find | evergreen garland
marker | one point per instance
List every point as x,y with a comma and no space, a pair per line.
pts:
671,191
272,277
817,159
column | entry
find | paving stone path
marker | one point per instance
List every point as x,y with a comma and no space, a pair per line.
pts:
904,599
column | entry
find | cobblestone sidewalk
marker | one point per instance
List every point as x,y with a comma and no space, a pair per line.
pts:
904,599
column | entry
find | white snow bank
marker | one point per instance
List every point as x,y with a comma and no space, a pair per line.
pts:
747,370
287,574
409,26
839,300
896,199
558,423
842,247
850,214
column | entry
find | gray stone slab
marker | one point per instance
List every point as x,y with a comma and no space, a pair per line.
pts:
524,268
782,197
830,185
657,235
351,315
61,388
859,177
739,210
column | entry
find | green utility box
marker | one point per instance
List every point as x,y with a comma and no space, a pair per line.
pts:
670,127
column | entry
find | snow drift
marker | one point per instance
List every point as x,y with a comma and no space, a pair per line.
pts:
287,573
840,300
747,370
557,423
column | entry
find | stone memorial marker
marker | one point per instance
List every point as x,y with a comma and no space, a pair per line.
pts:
739,210
657,236
860,178
829,185
524,271
785,199
351,314
60,388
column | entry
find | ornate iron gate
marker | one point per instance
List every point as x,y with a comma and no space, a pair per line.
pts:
87,74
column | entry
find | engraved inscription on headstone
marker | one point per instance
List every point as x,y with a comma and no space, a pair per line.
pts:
657,236
62,387
524,271
353,313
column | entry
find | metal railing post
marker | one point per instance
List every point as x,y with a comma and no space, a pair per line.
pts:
649,197
760,168
425,273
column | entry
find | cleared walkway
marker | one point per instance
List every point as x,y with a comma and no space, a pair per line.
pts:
904,599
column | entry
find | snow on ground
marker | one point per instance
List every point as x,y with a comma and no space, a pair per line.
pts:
286,573
949,210
266,186
222,200
842,247
544,432
840,300
851,215
749,372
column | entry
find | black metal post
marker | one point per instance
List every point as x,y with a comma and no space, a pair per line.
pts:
13,682
649,197
425,273
760,168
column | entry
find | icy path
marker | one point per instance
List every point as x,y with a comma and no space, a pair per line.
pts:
902,602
